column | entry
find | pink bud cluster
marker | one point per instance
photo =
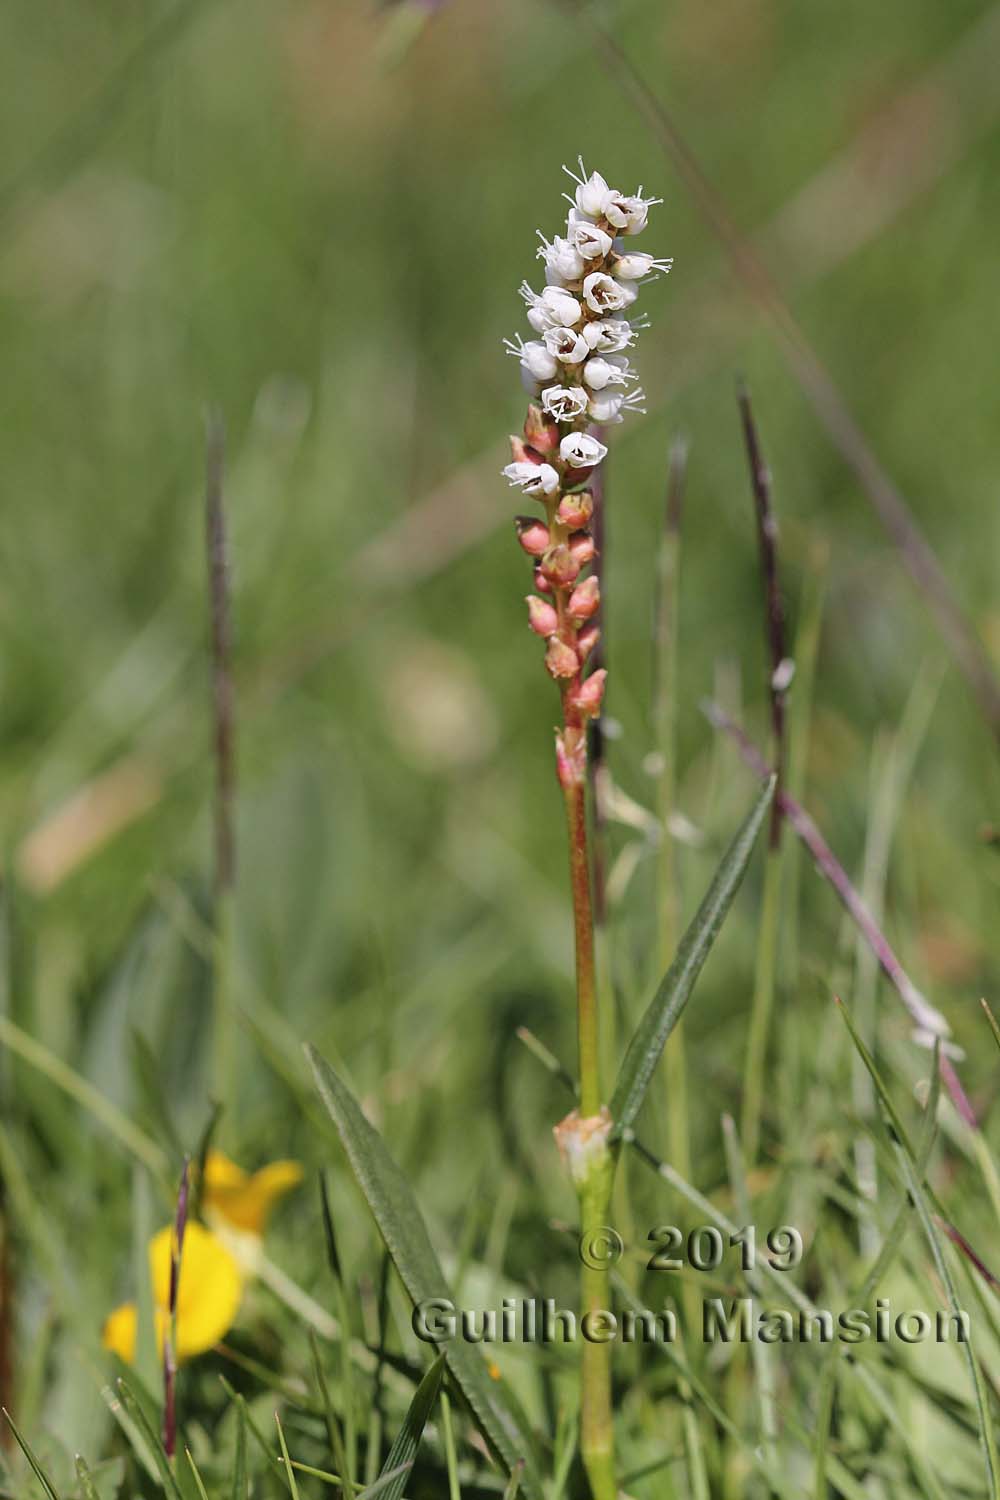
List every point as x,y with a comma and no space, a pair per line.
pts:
578,375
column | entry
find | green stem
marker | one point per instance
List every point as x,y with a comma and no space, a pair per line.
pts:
763,1004
596,1419
583,927
594,1190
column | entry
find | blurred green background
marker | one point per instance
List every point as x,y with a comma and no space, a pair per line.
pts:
312,216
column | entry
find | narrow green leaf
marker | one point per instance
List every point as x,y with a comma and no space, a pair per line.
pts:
992,1020
385,1482
675,989
240,1488
333,1431
34,1465
510,1493
293,1487
912,1175
133,1406
87,1489
391,1200
256,1433
202,1492
404,1449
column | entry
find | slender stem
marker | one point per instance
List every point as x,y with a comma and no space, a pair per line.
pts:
596,1418
762,1005
594,1191
223,737
665,742
928,1020
583,927
778,678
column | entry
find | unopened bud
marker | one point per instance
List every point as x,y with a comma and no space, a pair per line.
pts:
575,511
585,600
560,566
542,584
521,452
561,660
542,617
587,696
571,757
586,641
532,534
540,433
582,549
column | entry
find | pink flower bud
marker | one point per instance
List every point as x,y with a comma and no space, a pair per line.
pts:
585,600
532,534
540,433
521,452
586,641
586,696
542,584
559,566
582,549
561,660
542,618
575,511
571,757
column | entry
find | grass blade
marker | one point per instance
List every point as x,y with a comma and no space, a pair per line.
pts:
240,1486
199,1482
391,1200
34,1465
134,1409
675,989
912,1176
293,1488
404,1449
87,1489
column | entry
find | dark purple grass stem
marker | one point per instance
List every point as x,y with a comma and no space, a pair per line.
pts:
170,1333
924,1015
223,706
814,379
774,609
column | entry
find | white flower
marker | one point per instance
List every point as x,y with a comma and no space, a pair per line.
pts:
628,212
615,370
591,243
533,479
591,191
602,293
609,406
553,308
581,451
564,403
534,357
563,259
608,335
566,344
633,267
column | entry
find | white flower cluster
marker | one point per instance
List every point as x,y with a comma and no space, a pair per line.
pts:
576,366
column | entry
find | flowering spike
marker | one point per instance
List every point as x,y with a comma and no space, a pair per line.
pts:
577,373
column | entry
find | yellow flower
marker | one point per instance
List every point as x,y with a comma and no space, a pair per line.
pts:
244,1200
208,1296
